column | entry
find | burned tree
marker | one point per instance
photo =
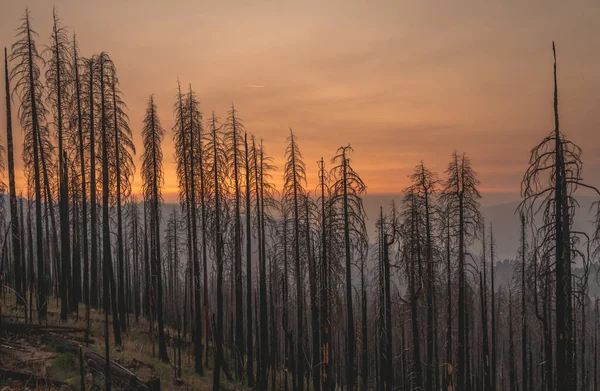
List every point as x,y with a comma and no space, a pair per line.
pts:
348,188
57,87
460,196
153,178
32,115
293,191
547,191
15,222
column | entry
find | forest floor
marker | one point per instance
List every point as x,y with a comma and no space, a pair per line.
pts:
35,359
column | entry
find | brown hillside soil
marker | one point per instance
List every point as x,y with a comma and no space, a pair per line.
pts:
29,359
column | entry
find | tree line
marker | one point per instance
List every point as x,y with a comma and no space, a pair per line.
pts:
283,288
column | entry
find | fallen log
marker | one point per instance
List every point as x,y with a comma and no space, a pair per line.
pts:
82,340
30,379
17,328
118,373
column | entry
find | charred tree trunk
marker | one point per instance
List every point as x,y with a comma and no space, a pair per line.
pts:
198,348
237,266
264,335
325,292
564,310
493,310
524,376
15,223
365,337
106,243
350,339
312,274
93,203
484,319
157,137
219,261
512,369
449,351
120,253
417,383
42,287
106,251
65,237
250,336
430,371
81,295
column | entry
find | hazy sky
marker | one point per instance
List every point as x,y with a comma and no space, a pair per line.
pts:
399,80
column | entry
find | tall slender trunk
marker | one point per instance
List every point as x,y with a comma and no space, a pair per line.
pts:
237,265
583,300
596,322
65,237
204,251
106,244
512,370
380,363
106,250
564,311
287,335
449,351
19,262
325,325
51,234
264,331
298,274
189,282
365,336
30,259
430,372
493,308
548,345
249,337
262,365
484,319
462,326
524,376
162,347
413,278
389,364
136,262
76,252
93,203
175,294
219,260
274,340
42,287
198,364
350,338
63,198
575,339
27,274
469,343
484,361
147,280
120,253
312,274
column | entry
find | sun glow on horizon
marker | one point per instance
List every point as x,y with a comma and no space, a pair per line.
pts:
358,79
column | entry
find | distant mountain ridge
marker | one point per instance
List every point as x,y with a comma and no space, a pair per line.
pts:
502,216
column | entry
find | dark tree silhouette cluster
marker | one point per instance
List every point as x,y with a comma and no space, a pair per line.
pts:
282,288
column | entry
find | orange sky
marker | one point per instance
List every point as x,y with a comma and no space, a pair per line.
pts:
400,80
